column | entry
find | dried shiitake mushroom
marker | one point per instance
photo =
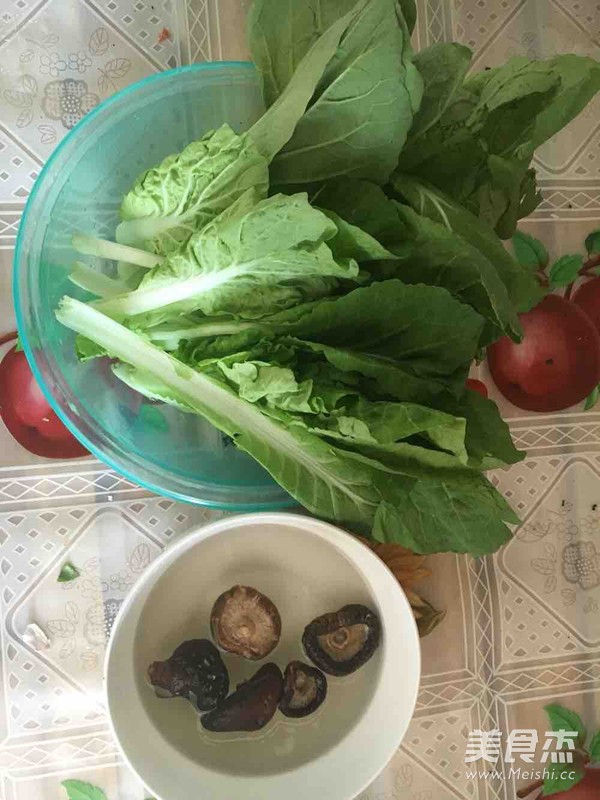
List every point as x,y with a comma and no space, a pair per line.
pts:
342,641
194,671
251,706
304,690
245,622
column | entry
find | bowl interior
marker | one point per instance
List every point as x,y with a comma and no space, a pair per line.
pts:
307,568
80,189
303,582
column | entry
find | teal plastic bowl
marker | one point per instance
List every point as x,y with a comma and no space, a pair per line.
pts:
80,188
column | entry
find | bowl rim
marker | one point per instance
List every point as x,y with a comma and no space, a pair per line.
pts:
395,610
278,498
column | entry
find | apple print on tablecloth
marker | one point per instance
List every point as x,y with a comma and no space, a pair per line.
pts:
27,414
556,365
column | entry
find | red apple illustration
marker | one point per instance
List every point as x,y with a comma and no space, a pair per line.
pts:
28,415
556,365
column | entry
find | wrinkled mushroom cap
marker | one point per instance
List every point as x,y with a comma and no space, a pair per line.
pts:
304,690
245,622
194,671
342,641
251,706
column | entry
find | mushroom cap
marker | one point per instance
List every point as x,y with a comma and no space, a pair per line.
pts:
304,690
194,671
342,641
251,706
245,622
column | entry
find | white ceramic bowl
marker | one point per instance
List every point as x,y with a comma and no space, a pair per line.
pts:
307,568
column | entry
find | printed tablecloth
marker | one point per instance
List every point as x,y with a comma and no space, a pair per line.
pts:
522,628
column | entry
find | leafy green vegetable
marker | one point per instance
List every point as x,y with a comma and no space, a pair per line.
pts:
352,242
337,410
579,83
529,251
363,204
90,246
314,472
146,383
382,332
565,270
68,573
444,512
480,149
272,257
382,376
78,790
278,48
487,437
443,67
468,153
87,350
186,191
522,286
422,327
329,480
95,282
405,459
434,254
275,128
170,335
423,250
168,203
408,10
331,339
359,117
129,274
592,243
276,385
511,195
364,422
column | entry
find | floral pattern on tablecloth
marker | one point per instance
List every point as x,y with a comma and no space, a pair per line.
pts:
68,100
63,57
